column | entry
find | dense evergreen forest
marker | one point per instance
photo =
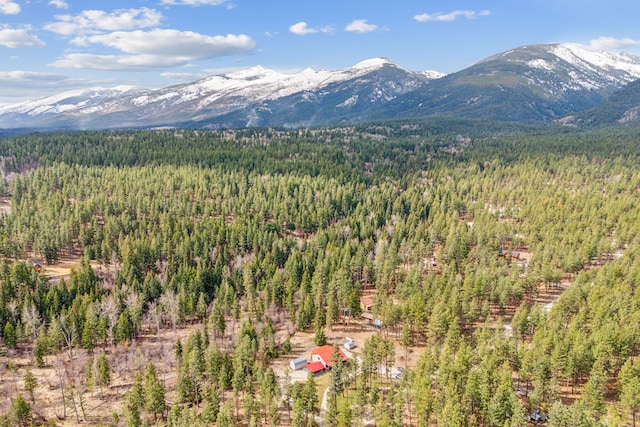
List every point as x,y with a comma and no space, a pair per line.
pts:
232,243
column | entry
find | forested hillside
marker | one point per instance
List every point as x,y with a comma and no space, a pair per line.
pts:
203,255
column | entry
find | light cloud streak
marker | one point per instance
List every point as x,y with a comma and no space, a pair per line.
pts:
28,77
195,3
611,43
451,16
18,85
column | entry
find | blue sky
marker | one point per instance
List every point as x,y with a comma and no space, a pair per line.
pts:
47,46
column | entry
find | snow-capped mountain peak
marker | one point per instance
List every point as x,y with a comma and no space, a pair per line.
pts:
255,84
252,73
431,74
587,68
220,94
530,83
373,63
68,100
582,56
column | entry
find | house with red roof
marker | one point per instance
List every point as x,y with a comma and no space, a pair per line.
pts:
323,354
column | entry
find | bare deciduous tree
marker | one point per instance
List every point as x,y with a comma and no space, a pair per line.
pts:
31,319
110,309
12,306
155,315
169,302
62,380
68,330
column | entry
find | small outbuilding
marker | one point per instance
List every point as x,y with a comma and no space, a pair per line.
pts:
297,364
366,303
510,255
367,316
37,266
537,416
315,367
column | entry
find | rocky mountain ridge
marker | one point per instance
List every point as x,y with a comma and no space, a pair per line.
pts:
535,83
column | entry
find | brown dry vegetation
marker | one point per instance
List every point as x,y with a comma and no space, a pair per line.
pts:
101,403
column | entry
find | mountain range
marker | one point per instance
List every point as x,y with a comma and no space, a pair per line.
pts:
563,83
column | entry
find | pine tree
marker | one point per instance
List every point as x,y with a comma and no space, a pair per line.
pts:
211,403
88,336
594,390
20,412
406,339
225,417
41,347
310,396
104,371
89,329
124,327
30,384
134,402
629,383
319,338
331,413
154,393
337,374
10,337
299,415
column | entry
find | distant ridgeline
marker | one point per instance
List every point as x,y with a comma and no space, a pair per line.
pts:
383,146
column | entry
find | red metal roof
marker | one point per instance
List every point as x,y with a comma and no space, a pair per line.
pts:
314,367
325,353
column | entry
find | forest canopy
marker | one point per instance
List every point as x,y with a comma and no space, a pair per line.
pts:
249,232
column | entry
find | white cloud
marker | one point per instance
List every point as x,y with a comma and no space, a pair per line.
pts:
156,49
117,62
302,28
610,43
9,7
93,21
451,16
29,78
176,43
17,37
361,26
18,86
197,2
60,4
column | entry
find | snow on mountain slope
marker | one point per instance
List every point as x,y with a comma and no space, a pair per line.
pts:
530,83
67,101
212,96
533,83
579,67
577,55
430,74
256,84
